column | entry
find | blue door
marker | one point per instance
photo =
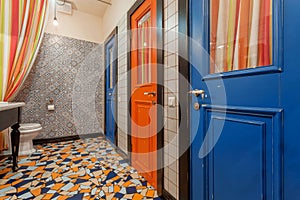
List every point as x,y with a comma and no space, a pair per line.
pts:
111,74
236,112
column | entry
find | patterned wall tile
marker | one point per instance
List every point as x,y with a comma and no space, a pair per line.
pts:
68,71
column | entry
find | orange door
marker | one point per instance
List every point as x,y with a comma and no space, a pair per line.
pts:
144,91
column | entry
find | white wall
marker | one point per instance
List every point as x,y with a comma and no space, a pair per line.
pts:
113,15
88,27
79,25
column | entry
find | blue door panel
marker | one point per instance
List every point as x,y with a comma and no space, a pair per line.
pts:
252,94
110,105
246,161
236,163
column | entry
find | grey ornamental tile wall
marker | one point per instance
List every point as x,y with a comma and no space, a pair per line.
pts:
68,71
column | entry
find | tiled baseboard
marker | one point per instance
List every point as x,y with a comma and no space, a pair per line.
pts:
67,138
167,195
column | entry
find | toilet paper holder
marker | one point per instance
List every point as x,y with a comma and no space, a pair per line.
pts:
51,106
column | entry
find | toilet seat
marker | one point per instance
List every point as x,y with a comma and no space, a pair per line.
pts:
30,127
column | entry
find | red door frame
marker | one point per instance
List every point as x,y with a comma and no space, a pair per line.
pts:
160,90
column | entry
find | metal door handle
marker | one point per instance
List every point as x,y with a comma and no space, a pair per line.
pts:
150,93
197,93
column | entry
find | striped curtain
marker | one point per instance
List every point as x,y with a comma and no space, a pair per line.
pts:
240,34
22,24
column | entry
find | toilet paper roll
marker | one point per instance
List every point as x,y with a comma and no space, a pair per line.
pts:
51,107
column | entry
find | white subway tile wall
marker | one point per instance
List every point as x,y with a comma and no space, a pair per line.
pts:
171,171
122,85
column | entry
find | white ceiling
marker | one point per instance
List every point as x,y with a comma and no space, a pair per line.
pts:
93,7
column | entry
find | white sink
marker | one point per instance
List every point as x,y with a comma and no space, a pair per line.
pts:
8,106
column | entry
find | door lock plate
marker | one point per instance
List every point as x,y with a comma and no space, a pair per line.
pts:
197,106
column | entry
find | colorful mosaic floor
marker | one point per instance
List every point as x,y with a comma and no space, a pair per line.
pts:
82,169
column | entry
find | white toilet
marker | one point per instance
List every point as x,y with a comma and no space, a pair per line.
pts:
28,133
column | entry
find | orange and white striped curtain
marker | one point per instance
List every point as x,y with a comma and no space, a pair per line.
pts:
22,24
240,34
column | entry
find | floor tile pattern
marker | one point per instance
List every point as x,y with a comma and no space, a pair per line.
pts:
81,169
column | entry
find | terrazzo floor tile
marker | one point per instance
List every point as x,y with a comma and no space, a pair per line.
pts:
81,169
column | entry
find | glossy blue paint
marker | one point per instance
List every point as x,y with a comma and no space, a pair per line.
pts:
110,90
242,115
232,161
290,99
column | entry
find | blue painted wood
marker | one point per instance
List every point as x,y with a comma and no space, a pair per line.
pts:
240,120
290,99
264,124
110,92
239,155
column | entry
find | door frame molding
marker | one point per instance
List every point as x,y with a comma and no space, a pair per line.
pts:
184,117
114,33
160,88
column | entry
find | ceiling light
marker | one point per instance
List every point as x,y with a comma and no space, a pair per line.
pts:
55,22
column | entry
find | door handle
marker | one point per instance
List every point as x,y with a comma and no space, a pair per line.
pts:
197,93
150,93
